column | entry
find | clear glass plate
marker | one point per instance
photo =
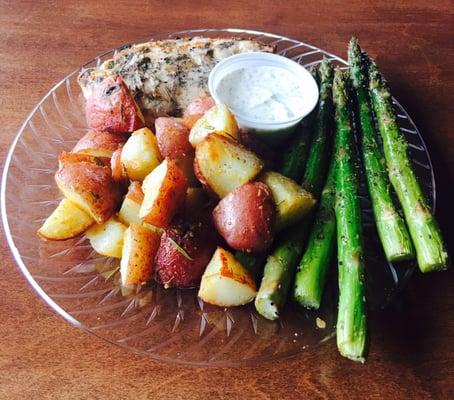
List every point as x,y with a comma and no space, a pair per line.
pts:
174,326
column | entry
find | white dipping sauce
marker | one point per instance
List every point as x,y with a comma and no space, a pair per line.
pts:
268,94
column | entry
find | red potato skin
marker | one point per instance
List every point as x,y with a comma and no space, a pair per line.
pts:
172,268
135,192
245,218
112,108
101,140
91,178
173,138
196,109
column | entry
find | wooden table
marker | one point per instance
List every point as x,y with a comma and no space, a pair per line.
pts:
412,347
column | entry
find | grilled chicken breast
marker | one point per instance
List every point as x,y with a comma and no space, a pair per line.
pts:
165,76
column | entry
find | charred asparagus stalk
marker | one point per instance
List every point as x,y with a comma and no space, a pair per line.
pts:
430,248
351,318
391,226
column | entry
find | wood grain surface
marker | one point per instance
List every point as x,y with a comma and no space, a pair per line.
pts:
412,345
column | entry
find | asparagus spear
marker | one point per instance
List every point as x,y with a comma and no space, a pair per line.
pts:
311,273
431,251
295,156
317,163
351,318
280,266
391,226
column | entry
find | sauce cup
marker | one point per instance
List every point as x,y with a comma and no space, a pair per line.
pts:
271,131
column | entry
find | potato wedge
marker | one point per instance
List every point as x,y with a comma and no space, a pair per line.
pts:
87,182
226,282
222,165
111,107
99,144
66,222
130,208
140,154
164,193
173,138
140,245
217,119
197,109
107,238
292,201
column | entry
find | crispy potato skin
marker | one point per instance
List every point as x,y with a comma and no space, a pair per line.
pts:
174,269
137,261
101,144
90,180
245,217
196,109
118,170
112,108
173,138
163,199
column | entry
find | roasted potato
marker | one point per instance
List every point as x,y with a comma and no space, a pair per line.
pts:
195,200
164,193
292,201
222,165
173,138
130,208
66,222
140,154
197,109
99,144
245,217
185,250
260,148
118,170
186,165
217,119
226,282
140,245
107,238
87,182
112,108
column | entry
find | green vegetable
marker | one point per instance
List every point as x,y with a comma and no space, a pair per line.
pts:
391,226
351,319
430,248
311,273
296,153
281,264
317,163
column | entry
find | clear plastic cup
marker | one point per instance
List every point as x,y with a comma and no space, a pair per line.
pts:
270,131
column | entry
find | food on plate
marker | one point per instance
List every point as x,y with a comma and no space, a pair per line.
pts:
186,247
390,224
173,138
292,201
265,152
140,154
196,109
107,238
351,327
186,165
130,208
140,245
87,182
221,164
318,160
217,119
164,193
65,222
431,251
312,270
118,169
226,282
279,269
245,217
99,143
166,76
111,107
